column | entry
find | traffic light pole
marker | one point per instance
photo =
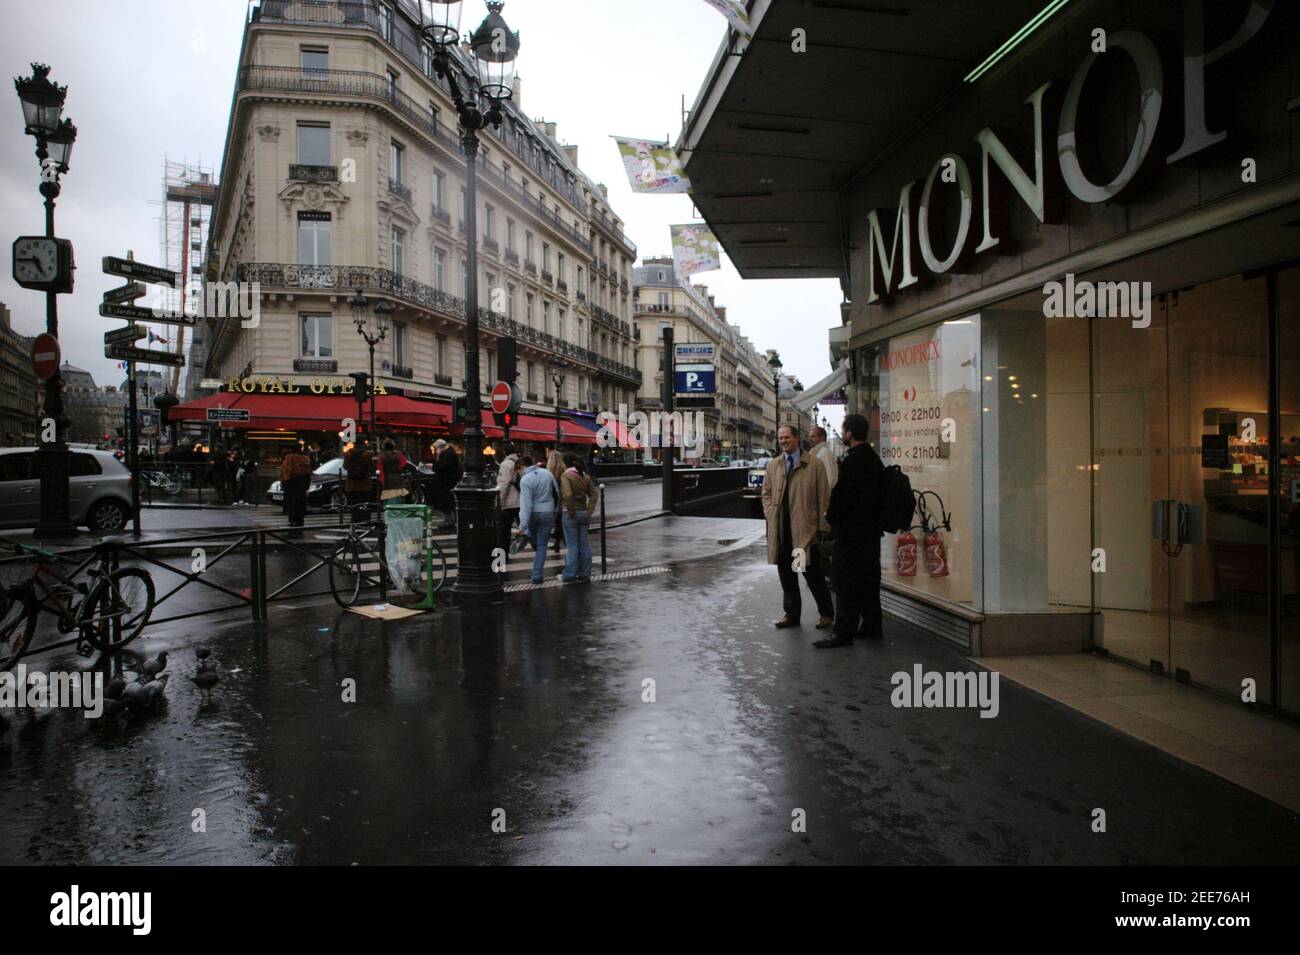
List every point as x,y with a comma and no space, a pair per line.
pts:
133,450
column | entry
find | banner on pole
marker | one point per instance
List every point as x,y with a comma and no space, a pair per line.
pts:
651,167
695,249
736,15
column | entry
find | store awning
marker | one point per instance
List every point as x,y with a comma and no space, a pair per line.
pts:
767,159
314,412
536,428
832,382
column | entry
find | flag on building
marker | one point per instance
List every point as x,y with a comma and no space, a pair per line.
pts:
695,249
737,16
651,167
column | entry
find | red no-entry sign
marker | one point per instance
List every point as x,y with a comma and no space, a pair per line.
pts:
501,397
45,356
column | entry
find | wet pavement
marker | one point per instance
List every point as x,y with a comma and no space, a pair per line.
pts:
532,713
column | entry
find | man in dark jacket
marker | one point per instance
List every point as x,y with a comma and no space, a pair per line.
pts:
854,516
446,470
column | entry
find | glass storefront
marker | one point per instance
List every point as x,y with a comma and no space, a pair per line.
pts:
1080,465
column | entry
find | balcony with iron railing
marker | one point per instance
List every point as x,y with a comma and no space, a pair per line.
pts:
444,380
491,244
530,266
284,276
547,278
562,286
512,256
401,371
614,231
303,172
403,37
582,296
442,215
316,365
399,189
533,205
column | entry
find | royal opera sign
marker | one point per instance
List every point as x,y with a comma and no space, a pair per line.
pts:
271,385
893,266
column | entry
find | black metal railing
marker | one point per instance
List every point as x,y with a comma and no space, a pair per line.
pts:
272,275
325,365
442,215
402,371
491,244
547,277
444,380
302,172
400,189
530,267
512,256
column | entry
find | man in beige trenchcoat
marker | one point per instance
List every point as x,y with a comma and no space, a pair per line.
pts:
796,493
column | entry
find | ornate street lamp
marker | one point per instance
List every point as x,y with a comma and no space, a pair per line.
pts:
556,369
42,103
774,362
478,90
360,313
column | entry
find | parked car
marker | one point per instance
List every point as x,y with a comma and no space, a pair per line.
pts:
99,489
326,485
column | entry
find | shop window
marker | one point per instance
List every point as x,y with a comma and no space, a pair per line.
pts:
317,336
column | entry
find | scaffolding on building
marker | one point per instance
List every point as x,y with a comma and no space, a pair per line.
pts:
189,195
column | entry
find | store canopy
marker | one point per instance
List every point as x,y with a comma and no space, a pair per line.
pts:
767,158
832,382
535,428
314,412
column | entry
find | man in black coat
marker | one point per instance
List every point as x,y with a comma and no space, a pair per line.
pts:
854,516
446,470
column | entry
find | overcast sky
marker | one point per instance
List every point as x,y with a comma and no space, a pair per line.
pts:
152,79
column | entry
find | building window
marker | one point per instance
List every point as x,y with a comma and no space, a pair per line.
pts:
392,85
489,221
433,117
559,324
559,267
528,310
313,239
546,256
317,336
510,235
396,160
510,302
528,246
440,353
491,367
546,317
399,238
440,270
464,279
663,300
426,59
386,22
490,281
314,144
439,184
315,61
531,380
399,344
462,205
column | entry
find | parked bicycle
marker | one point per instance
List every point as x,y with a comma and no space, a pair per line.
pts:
109,608
357,561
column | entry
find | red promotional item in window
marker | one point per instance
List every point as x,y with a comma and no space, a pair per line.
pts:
905,554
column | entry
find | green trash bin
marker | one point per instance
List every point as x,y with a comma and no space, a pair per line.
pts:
408,554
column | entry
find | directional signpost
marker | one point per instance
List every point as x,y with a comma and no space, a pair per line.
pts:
118,343
228,414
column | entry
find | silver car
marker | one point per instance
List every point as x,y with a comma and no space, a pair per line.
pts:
99,489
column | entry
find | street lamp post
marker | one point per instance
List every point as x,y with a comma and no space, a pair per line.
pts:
383,312
495,49
774,362
557,379
42,103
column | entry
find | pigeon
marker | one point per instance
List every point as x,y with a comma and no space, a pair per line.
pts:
204,654
114,689
206,679
151,668
133,695
154,689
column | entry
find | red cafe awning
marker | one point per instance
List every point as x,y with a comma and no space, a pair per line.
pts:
315,412
536,428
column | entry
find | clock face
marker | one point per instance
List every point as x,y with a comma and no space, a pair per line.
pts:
36,260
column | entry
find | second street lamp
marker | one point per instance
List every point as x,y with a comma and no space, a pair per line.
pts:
383,312
774,362
557,379
487,85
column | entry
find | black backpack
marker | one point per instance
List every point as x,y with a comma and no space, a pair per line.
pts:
897,504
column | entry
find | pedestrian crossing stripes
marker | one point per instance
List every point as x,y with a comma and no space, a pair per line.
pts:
616,575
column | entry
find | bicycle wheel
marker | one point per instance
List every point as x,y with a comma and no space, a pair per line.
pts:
345,573
118,609
437,574
17,625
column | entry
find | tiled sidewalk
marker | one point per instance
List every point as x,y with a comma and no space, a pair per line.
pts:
1255,751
